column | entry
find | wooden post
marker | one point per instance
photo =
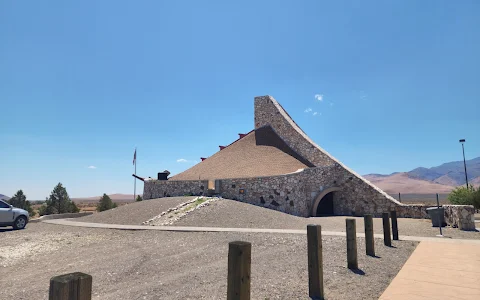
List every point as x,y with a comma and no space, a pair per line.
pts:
315,262
73,286
239,263
369,241
351,244
393,215
387,239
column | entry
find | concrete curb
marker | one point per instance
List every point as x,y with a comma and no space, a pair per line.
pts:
243,230
60,216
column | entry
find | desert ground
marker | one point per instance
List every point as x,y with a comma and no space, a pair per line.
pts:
129,264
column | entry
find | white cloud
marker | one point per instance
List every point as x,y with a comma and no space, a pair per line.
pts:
92,167
319,97
183,160
308,110
363,95
315,113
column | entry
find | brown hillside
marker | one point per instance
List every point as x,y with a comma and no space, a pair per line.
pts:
261,153
401,183
475,182
446,180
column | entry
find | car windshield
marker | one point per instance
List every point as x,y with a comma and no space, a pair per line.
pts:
4,205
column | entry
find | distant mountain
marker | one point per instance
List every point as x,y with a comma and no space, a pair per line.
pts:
402,183
452,172
440,179
3,197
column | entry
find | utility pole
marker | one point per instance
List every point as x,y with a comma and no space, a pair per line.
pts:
464,163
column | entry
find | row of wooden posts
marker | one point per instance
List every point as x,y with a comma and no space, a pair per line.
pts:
78,286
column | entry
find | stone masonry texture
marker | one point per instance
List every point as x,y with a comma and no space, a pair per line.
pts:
300,192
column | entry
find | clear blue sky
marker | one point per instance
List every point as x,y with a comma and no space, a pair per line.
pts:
82,83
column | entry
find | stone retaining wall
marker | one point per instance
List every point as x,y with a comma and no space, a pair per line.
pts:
169,188
298,193
461,216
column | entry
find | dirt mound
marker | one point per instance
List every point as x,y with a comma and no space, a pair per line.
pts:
135,213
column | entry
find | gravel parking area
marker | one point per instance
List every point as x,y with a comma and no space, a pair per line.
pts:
230,213
135,213
180,265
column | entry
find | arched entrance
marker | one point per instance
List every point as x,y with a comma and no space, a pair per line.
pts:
323,204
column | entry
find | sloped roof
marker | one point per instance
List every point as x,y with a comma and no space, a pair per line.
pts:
260,153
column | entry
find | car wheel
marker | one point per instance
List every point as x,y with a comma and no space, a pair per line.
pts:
20,223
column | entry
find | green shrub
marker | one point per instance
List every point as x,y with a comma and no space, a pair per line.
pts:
139,198
20,200
42,210
58,203
465,196
105,203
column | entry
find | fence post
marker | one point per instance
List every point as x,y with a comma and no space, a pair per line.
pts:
352,244
73,286
315,262
239,263
387,239
369,241
393,215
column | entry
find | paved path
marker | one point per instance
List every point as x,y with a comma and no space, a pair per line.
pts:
70,222
451,271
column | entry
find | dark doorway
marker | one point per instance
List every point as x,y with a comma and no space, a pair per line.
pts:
325,207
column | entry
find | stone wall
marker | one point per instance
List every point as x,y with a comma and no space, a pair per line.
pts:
461,216
168,188
269,112
298,193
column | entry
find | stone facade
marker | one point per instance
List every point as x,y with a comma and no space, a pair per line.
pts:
269,112
461,216
169,188
300,193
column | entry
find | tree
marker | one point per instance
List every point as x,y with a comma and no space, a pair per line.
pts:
105,203
139,198
20,200
59,202
465,196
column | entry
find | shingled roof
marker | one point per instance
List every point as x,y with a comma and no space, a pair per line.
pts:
260,153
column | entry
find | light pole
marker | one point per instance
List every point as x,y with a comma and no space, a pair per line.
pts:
464,163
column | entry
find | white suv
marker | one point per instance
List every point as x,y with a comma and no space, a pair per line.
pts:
12,216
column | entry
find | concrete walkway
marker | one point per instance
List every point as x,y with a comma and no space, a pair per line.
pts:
449,271
70,222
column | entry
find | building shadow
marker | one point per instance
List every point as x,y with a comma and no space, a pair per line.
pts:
358,271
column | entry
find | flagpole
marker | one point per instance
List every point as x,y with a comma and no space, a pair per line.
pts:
135,179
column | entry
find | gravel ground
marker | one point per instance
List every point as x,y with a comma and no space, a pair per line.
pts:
230,213
135,213
179,265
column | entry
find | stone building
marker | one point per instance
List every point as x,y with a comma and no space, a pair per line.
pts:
278,166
